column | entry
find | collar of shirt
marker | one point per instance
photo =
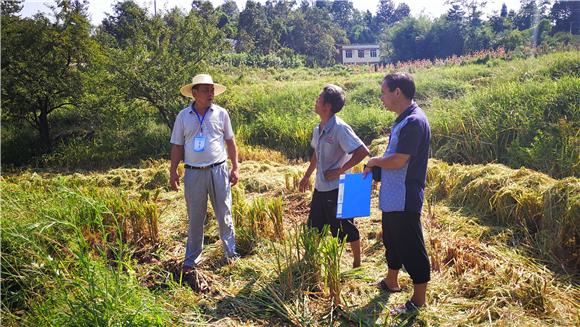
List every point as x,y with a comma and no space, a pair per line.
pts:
193,103
329,125
406,113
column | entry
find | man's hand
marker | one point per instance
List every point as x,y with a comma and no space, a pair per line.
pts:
304,184
332,174
369,167
234,175
366,171
174,179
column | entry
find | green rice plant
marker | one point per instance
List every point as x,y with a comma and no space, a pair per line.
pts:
310,241
260,219
65,257
95,295
287,255
331,249
512,122
275,214
245,235
292,180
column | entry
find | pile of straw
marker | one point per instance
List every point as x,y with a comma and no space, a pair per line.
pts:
543,209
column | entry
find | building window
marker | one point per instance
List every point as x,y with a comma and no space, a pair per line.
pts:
374,53
349,53
361,53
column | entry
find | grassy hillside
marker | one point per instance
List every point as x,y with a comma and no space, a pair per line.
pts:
511,111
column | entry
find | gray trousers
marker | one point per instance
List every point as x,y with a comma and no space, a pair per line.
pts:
198,184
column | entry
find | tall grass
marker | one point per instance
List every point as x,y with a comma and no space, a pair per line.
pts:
519,119
66,252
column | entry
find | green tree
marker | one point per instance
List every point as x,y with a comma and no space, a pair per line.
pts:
474,12
530,13
254,31
159,54
10,7
504,10
444,39
313,33
127,23
565,15
385,10
228,16
406,40
203,7
44,65
479,38
403,11
342,13
456,12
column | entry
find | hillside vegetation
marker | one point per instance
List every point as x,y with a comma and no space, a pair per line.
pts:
517,112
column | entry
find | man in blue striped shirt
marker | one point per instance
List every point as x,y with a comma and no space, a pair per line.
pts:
403,175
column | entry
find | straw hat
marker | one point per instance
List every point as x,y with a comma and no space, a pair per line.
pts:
201,79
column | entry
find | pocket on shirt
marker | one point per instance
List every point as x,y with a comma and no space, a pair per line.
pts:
215,127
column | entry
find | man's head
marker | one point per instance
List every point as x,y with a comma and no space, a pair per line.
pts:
331,97
202,88
397,90
203,93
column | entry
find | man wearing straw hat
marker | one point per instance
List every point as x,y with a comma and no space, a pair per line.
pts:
403,176
198,138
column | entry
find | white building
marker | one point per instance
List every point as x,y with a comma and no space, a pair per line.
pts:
359,54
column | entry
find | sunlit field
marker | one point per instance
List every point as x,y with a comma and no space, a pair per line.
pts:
93,236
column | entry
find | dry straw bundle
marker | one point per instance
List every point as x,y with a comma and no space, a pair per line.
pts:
543,209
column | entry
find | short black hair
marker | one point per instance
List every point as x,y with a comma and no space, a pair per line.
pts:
334,95
403,81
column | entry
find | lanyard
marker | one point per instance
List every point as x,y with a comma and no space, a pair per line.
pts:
201,119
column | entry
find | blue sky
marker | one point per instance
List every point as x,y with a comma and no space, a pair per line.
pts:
98,8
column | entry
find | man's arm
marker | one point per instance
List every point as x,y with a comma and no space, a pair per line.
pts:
393,161
305,181
233,155
357,156
176,157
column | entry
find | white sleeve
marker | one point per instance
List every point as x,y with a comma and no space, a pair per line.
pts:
228,130
178,135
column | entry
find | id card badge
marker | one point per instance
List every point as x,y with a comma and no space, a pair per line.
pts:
199,143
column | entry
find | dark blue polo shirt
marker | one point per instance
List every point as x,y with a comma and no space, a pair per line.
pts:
403,189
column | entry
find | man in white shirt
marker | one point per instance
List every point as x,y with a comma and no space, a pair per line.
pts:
204,139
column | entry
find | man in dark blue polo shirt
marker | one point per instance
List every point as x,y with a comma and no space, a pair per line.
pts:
403,176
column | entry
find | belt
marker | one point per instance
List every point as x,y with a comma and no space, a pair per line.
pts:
205,167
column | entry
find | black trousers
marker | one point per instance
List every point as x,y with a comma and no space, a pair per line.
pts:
404,245
323,212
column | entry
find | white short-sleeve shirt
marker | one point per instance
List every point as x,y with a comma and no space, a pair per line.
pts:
216,128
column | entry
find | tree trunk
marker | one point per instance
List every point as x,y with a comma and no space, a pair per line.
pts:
44,129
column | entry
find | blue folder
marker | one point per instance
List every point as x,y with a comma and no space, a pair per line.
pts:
354,196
